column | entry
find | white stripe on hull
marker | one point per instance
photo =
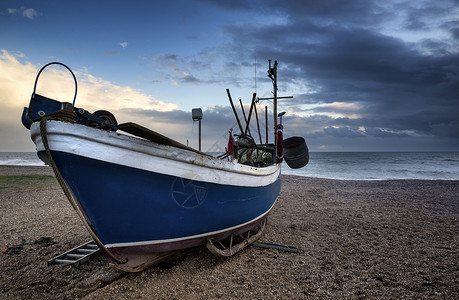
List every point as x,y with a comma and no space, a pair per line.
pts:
137,153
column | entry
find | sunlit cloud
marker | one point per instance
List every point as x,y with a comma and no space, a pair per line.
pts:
17,81
351,110
343,110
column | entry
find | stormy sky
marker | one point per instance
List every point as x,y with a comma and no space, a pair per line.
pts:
365,75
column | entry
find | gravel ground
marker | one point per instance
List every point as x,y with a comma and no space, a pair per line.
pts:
356,239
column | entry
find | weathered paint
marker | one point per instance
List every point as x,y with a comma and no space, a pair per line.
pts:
143,196
138,153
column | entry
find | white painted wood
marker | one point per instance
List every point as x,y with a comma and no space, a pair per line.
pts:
138,153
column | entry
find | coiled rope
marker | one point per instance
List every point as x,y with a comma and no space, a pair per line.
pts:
69,116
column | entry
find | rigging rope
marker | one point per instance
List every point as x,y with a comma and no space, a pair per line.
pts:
68,116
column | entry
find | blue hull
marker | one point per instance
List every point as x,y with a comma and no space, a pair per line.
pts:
130,207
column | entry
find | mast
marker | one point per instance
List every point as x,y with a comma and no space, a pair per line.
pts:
272,74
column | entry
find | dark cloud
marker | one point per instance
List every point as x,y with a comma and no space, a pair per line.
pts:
184,69
188,78
454,29
339,52
377,132
170,57
356,79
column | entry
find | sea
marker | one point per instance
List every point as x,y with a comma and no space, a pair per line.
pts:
339,165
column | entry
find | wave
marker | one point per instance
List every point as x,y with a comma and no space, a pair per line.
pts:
20,159
380,166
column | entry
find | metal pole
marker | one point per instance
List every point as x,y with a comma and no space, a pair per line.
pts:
272,74
275,94
199,135
275,101
196,114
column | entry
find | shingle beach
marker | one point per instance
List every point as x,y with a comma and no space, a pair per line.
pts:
386,239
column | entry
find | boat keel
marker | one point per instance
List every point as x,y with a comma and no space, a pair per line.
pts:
141,261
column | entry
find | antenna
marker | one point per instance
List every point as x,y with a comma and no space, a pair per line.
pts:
255,74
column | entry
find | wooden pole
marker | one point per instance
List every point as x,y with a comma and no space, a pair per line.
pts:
234,111
258,124
266,121
250,112
243,113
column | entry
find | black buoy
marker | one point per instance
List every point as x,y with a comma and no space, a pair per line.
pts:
296,153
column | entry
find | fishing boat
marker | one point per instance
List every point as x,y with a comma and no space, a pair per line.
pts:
144,197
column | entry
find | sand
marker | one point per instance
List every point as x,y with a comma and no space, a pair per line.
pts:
356,239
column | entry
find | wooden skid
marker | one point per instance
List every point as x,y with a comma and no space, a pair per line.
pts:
219,249
286,248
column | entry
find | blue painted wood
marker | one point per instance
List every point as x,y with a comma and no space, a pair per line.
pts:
129,205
